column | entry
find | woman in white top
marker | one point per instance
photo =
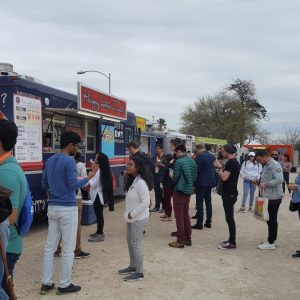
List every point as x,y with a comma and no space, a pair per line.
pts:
101,192
250,172
136,215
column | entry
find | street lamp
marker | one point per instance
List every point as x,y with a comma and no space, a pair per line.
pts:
92,71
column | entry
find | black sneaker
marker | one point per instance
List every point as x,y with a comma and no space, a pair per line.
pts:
134,277
68,290
127,271
227,246
224,242
207,225
199,227
174,233
46,288
296,255
82,254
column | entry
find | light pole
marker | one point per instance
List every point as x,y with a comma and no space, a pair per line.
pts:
93,71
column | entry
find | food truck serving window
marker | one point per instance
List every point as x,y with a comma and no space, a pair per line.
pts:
55,125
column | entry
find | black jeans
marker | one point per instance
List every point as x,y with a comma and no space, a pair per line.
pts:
273,208
228,204
286,177
158,191
203,193
98,207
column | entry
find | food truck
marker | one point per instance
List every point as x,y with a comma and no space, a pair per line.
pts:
43,113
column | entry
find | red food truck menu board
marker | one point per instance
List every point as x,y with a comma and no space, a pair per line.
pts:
28,118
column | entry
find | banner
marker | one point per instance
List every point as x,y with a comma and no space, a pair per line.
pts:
28,118
96,102
141,124
108,140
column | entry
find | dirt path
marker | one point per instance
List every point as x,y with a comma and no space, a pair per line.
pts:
198,272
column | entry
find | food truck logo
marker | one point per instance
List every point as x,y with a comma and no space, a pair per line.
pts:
88,99
108,135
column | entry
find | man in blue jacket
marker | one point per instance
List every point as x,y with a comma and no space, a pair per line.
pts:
206,180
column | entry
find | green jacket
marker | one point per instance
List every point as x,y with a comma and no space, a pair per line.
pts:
185,174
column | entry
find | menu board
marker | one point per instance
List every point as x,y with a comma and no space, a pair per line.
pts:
28,118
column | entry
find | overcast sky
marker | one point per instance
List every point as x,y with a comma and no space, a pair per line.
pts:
162,55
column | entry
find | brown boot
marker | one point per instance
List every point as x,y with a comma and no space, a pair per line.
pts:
176,244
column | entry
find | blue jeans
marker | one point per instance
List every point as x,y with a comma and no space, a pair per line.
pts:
63,223
248,186
4,235
203,193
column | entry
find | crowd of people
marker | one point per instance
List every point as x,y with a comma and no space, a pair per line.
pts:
175,175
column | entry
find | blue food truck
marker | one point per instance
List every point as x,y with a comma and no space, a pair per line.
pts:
42,113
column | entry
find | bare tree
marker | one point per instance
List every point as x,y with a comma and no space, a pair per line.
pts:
291,136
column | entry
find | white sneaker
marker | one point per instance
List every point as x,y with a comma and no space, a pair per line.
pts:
266,246
276,244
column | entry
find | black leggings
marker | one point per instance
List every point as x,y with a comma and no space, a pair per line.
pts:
98,207
273,208
228,204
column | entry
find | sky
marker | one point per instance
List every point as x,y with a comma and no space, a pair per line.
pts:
162,55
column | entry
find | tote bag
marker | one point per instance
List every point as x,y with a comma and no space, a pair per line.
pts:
261,208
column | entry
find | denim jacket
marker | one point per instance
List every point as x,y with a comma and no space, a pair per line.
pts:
272,176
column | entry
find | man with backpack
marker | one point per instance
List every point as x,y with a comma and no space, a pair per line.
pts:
133,149
13,179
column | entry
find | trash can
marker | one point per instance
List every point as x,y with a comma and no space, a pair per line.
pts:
88,213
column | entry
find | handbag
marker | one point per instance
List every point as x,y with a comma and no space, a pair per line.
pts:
293,206
261,208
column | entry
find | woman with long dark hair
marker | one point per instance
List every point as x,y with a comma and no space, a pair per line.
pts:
101,193
136,215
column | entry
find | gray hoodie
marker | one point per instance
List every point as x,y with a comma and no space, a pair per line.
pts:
272,176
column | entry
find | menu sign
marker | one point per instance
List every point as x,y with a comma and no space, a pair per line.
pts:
28,118
94,101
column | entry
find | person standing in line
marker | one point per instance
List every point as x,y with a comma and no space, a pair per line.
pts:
168,187
134,151
286,166
250,173
271,185
295,187
81,173
242,159
184,176
101,192
136,215
206,180
160,168
61,182
229,177
173,144
13,179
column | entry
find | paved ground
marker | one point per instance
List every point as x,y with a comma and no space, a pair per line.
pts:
197,272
